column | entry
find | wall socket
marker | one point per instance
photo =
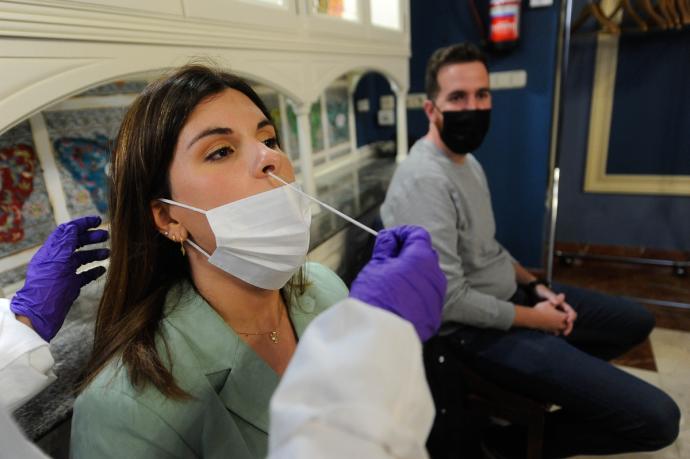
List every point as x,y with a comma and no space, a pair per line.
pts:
512,79
387,102
386,118
415,100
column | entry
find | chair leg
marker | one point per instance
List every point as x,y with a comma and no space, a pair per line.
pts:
535,437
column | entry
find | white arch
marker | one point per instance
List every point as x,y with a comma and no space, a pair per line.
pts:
31,84
394,69
38,73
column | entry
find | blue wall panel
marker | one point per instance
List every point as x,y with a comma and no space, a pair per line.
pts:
371,86
661,222
650,127
515,153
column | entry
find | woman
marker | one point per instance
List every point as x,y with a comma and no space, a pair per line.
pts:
205,298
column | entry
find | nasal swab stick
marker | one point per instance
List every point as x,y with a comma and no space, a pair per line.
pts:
326,206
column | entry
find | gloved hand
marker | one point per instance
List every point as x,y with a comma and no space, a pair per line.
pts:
52,284
404,277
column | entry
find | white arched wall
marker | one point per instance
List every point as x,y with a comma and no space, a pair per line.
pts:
54,49
34,81
396,72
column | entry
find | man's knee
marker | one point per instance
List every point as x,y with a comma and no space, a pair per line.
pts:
661,423
642,322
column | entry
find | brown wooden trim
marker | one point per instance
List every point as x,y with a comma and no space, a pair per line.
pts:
621,251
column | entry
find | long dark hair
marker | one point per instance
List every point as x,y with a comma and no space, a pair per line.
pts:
143,264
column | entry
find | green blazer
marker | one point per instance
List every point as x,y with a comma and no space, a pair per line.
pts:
231,387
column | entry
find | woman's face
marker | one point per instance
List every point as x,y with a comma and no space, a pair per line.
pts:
223,154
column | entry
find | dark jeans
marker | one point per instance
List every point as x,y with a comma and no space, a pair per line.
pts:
604,410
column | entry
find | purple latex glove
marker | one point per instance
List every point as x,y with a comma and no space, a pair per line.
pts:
52,284
404,277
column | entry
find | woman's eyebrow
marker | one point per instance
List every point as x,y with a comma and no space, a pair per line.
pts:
210,131
263,123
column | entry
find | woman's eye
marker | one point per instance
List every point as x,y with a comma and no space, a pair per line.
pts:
220,153
271,143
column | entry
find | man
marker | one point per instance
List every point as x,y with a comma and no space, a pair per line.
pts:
549,344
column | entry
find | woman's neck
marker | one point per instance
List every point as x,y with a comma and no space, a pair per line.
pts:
242,306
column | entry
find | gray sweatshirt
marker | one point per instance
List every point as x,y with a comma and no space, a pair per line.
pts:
452,201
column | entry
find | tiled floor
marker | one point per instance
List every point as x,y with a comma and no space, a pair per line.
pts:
664,360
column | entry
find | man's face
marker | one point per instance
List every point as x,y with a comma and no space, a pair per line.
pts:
461,87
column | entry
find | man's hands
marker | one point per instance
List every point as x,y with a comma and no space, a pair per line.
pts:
558,301
553,315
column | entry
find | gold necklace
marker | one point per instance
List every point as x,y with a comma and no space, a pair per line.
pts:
272,334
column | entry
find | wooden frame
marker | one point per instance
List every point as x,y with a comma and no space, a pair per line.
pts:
597,180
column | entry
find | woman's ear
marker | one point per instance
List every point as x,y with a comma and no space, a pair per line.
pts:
161,216
164,221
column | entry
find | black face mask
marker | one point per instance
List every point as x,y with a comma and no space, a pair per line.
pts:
463,131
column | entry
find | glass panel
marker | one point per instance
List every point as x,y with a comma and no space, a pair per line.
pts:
293,142
385,13
344,9
336,110
272,102
317,136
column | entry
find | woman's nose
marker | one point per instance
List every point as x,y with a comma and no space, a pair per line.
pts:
267,160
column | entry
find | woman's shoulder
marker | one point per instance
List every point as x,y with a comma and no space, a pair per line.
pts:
323,289
112,386
323,284
128,408
111,416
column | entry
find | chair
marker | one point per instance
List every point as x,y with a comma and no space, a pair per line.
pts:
461,394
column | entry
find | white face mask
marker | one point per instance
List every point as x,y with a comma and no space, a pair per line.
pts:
262,239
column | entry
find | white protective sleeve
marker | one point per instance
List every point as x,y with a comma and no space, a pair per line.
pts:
354,388
14,443
26,364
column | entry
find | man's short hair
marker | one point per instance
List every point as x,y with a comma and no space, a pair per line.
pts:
453,54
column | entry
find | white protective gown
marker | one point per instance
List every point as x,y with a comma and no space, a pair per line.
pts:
354,388
26,365
26,368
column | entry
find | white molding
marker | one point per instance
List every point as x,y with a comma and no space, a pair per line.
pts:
38,73
356,156
51,174
280,17
17,259
324,122
285,133
82,103
23,20
328,152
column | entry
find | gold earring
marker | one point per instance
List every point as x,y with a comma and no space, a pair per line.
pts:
182,247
